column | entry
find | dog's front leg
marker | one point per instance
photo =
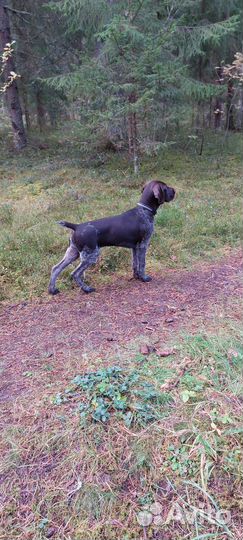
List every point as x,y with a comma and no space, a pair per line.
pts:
135,262
141,255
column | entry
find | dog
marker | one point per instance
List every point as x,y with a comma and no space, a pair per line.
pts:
132,229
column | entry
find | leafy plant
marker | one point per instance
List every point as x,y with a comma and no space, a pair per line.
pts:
180,461
112,391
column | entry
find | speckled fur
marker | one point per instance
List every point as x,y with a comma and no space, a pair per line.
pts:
132,229
139,252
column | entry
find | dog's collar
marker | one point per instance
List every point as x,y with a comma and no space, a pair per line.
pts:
147,208
144,206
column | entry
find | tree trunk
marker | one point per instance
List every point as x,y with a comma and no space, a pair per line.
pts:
25,103
10,85
218,109
132,135
230,123
198,118
209,115
53,118
239,116
40,110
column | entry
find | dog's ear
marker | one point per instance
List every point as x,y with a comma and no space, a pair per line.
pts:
143,188
158,191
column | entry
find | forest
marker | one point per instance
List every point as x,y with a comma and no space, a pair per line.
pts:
121,410
131,74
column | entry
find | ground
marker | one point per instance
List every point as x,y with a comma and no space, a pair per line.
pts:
64,482
179,336
74,323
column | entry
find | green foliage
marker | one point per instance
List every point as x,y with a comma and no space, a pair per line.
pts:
208,34
112,391
180,462
82,15
134,49
113,259
99,61
200,91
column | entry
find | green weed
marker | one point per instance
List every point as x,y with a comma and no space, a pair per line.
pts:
112,391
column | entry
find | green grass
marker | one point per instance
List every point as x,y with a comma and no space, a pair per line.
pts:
37,188
90,480
63,478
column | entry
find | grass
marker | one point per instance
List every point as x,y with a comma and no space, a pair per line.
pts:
39,187
66,479
81,460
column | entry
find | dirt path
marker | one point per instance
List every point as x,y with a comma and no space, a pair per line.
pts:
73,323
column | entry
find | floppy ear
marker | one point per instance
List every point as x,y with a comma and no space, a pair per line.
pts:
143,188
158,192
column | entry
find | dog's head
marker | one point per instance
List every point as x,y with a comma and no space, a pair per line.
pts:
157,193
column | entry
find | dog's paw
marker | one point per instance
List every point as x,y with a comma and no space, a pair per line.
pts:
89,290
146,279
53,291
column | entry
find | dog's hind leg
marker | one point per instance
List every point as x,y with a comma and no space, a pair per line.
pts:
88,257
70,256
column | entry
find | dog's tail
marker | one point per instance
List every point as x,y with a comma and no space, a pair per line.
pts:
72,226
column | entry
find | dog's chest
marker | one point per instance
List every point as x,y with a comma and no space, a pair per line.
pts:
146,224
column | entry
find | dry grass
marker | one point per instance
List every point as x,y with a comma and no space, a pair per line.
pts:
63,481
39,188
66,482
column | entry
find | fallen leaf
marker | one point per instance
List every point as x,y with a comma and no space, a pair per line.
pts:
146,349
164,352
204,379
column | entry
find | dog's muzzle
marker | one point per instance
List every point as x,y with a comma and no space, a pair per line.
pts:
169,194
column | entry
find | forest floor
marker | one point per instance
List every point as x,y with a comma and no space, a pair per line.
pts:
74,324
64,481
159,416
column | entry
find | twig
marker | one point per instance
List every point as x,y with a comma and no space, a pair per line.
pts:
17,11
